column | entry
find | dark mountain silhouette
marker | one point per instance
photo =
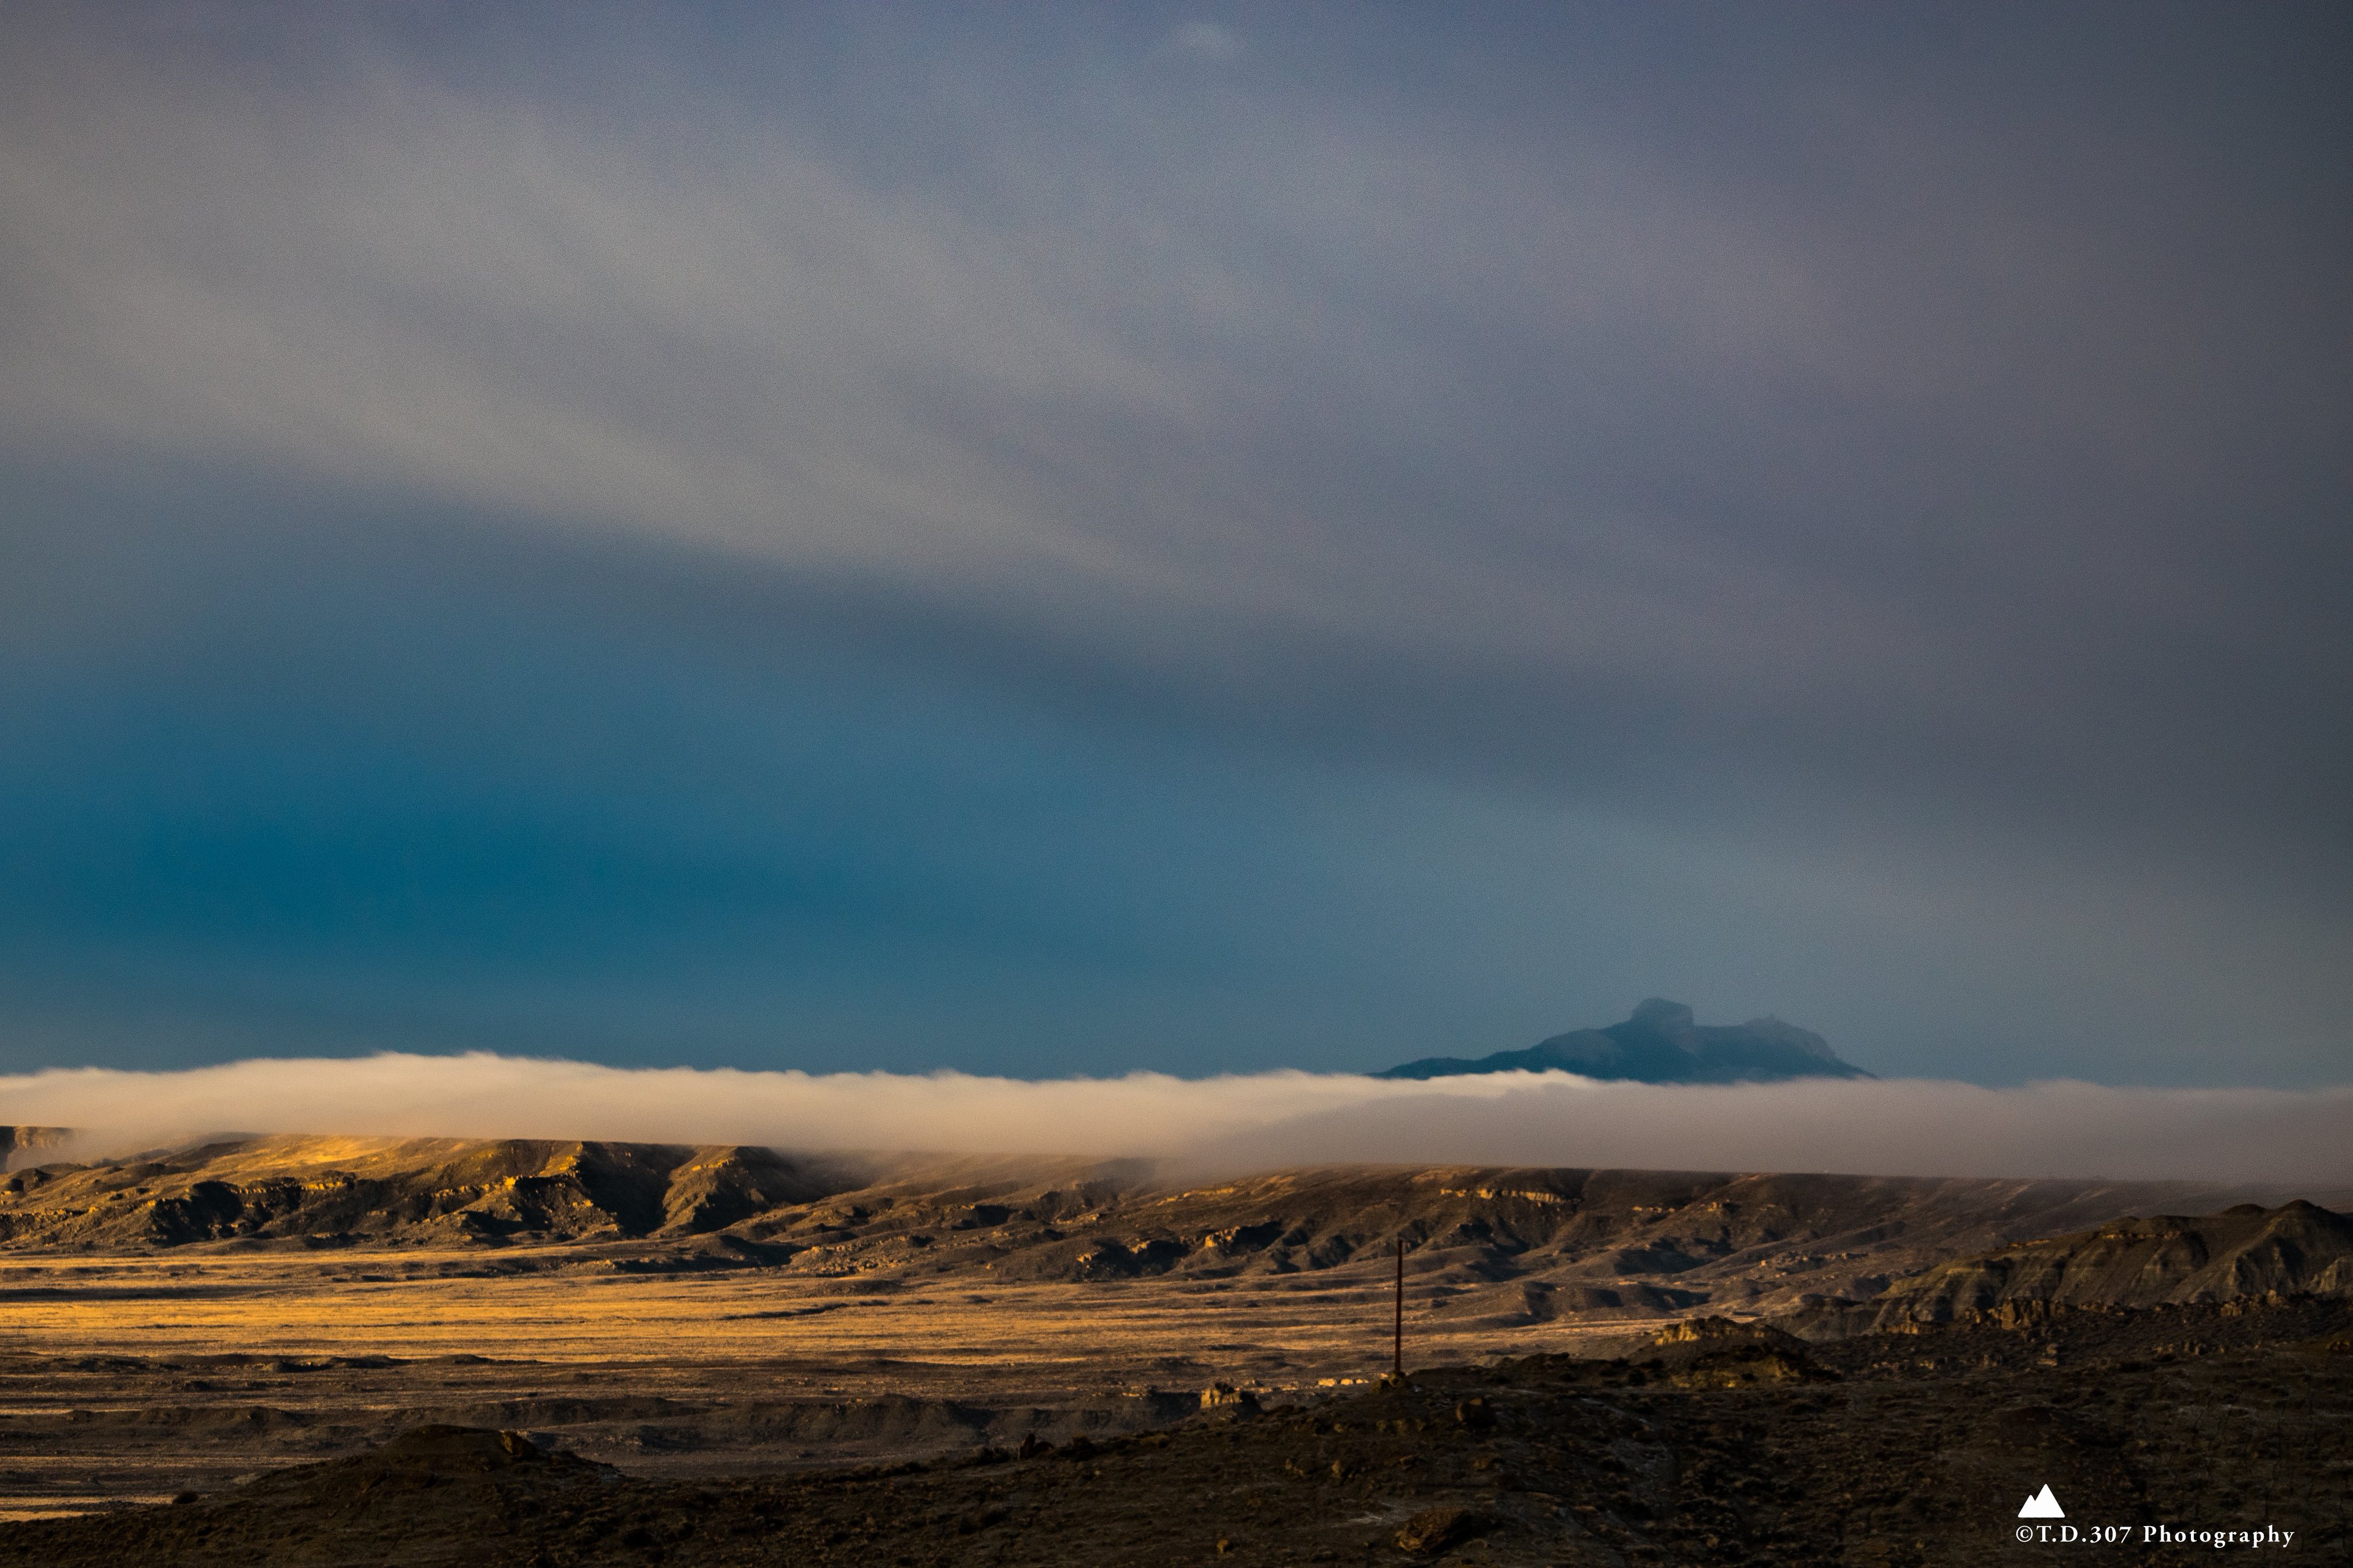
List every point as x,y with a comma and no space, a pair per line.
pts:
1661,1044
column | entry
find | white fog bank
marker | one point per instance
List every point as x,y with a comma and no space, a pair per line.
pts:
1901,1127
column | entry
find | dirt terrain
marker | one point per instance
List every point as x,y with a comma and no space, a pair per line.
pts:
765,1344
1724,1444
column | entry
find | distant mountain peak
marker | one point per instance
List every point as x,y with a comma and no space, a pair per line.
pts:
1659,1012
1661,1043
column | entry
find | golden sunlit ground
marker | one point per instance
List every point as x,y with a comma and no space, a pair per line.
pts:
127,1379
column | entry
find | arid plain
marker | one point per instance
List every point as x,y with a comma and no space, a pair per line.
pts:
186,1322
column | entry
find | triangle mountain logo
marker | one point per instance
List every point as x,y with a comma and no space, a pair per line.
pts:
2043,1505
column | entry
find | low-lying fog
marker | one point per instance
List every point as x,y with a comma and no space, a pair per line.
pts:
1901,1127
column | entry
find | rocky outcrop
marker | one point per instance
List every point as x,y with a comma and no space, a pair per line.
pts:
2245,1252
17,1140
1713,1333
719,1186
385,1190
1661,1044
1435,1529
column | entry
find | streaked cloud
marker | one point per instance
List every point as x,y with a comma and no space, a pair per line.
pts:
1206,40
1897,463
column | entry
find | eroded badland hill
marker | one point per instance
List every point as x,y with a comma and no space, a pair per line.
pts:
1486,1244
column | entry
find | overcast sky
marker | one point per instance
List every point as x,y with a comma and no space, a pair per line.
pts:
1046,540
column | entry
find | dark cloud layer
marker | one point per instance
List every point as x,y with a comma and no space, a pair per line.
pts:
1078,537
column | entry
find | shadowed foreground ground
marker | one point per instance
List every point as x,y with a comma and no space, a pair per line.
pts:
1730,1445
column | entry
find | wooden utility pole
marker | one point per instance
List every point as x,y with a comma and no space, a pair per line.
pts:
1398,1368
